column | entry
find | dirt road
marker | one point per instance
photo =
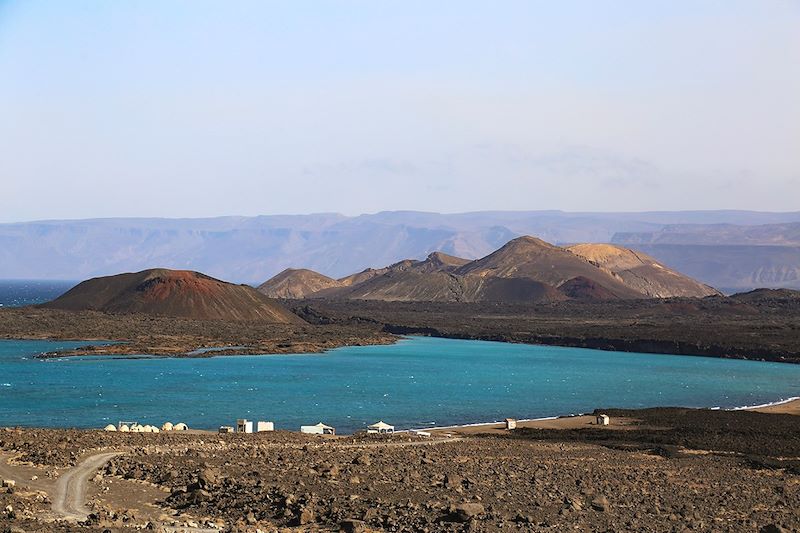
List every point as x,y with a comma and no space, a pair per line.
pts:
69,495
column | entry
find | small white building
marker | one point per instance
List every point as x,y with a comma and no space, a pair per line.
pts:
225,429
511,423
318,429
420,433
264,426
244,426
603,420
380,427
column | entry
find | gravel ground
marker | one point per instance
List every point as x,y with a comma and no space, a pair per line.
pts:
646,479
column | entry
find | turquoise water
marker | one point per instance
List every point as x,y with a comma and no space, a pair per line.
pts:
418,382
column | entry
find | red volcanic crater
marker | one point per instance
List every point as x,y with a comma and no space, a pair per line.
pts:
179,293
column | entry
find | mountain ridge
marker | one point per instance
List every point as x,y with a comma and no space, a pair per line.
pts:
524,269
253,249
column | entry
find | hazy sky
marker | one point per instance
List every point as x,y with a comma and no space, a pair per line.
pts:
209,108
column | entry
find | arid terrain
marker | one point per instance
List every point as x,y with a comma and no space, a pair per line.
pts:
763,324
758,325
651,470
171,336
524,270
664,469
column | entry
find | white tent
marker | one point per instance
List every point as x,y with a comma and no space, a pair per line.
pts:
319,429
380,427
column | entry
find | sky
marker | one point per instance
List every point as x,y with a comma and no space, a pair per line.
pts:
196,108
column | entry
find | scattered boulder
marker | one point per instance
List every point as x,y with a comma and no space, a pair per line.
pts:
353,526
600,503
305,516
198,496
465,512
452,481
362,460
572,504
208,477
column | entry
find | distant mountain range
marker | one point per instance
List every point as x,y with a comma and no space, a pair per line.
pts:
525,269
716,235
731,250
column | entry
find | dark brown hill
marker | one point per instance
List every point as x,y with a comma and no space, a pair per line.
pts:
179,293
767,295
525,269
405,280
369,273
408,280
534,259
297,283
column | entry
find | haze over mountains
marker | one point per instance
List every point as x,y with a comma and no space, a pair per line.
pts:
525,269
730,250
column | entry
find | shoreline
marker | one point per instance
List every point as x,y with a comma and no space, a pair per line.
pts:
612,344
789,406
769,405
127,347
762,330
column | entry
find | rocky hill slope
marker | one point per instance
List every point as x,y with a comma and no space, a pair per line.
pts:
178,293
297,283
525,269
641,272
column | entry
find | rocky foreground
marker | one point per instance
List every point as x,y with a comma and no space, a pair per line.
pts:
676,470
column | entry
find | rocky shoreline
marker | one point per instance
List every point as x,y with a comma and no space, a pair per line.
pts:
138,334
762,328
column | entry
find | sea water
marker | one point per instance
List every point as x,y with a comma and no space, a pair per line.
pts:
418,382
20,292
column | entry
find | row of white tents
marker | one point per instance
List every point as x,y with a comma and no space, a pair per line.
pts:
133,427
318,429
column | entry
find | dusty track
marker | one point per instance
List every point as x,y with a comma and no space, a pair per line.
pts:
69,495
